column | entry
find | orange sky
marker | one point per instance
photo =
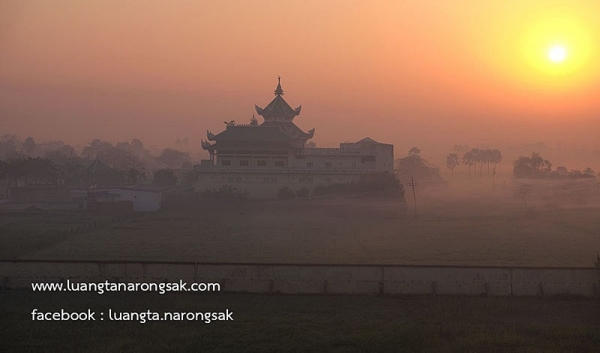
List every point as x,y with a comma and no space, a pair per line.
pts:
424,72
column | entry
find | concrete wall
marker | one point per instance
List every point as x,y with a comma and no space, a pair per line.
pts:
319,279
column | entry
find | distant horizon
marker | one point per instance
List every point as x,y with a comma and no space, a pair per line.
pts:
416,73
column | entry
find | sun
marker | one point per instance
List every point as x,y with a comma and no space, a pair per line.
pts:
556,47
557,53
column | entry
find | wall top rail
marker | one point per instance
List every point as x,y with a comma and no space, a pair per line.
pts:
119,262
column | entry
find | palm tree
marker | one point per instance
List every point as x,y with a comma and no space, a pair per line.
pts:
469,160
477,158
488,158
496,157
452,162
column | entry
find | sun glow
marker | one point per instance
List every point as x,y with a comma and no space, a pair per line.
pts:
557,53
557,45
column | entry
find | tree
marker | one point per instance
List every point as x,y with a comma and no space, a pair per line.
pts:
135,176
97,148
478,157
122,159
173,158
495,157
137,145
29,146
589,173
534,166
452,162
285,193
8,147
33,170
469,159
561,171
164,177
415,151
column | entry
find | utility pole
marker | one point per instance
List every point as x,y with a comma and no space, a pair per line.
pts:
413,185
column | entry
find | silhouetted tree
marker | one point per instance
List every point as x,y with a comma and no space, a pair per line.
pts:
285,193
534,166
164,177
97,148
589,172
452,162
415,151
470,159
135,176
562,171
29,146
137,145
495,157
8,147
173,158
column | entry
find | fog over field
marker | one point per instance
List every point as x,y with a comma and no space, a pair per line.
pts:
344,175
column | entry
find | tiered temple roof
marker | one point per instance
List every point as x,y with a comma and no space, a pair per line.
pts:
278,127
278,109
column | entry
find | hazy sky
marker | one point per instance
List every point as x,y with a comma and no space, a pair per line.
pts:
423,72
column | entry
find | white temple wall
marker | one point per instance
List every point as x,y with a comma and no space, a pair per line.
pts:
267,185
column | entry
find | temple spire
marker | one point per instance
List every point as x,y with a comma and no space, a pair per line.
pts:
278,90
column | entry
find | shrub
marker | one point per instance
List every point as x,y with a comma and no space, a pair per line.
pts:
285,193
302,192
225,192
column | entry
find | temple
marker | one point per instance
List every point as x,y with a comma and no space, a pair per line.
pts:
263,158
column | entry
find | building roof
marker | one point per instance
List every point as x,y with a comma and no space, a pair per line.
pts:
278,108
290,129
245,133
277,127
98,167
367,140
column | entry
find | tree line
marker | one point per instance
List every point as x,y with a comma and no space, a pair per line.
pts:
536,166
476,158
54,162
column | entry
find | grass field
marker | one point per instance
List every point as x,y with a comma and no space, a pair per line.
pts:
472,227
459,228
302,324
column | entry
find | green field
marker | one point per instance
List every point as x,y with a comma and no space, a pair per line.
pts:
453,228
